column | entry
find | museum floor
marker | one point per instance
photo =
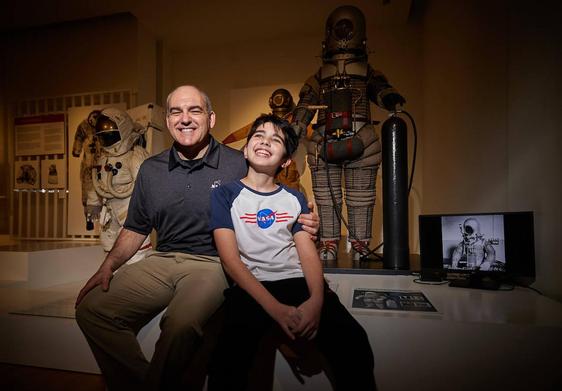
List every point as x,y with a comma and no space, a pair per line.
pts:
26,378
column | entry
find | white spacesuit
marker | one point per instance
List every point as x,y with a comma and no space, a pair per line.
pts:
344,135
115,173
474,252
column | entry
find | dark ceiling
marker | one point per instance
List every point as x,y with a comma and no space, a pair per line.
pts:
187,23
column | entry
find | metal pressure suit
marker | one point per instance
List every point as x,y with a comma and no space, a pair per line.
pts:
344,136
115,174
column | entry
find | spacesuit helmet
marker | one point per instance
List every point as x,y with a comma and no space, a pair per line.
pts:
116,131
471,230
93,117
281,102
345,33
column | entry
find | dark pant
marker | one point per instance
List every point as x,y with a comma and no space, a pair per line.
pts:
340,338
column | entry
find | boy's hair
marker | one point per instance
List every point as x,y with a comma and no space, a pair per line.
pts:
291,139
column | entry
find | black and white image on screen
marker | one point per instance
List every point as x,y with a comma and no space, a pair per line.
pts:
473,242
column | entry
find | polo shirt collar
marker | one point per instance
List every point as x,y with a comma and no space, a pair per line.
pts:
211,157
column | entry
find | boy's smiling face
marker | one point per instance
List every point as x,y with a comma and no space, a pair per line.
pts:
266,148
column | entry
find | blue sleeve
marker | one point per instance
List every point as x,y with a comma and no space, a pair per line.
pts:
220,209
304,208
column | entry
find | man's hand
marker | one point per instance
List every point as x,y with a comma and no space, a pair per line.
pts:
287,317
102,277
310,222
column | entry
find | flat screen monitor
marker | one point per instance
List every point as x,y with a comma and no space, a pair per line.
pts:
497,245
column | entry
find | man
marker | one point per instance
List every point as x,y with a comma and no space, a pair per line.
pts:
183,275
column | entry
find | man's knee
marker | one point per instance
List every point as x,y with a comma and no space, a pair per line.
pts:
180,327
85,310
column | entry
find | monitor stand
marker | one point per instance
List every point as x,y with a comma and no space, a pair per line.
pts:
476,281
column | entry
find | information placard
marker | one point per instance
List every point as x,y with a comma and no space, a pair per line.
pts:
39,135
375,299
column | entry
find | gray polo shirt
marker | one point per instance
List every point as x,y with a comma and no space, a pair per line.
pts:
173,197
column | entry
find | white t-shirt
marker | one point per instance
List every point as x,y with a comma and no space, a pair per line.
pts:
264,224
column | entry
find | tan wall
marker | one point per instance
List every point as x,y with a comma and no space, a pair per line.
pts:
534,139
87,56
491,100
465,102
4,166
146,65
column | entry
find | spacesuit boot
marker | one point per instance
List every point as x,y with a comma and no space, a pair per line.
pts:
328,250
359,248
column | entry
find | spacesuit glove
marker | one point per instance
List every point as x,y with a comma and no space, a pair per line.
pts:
93,211
392,100
299,129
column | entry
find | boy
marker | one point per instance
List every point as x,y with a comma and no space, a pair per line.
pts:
277,273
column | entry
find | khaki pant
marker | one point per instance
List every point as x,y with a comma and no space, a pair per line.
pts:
190,286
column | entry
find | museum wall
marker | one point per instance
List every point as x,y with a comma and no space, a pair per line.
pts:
74,57
491,100
4,166
535,132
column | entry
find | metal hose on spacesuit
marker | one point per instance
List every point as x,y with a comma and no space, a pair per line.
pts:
118,194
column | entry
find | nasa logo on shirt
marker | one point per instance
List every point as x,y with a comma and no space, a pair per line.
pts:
265,218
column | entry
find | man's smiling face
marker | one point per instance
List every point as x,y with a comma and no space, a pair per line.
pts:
188,119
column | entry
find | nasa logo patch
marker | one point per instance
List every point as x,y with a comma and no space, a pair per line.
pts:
265,218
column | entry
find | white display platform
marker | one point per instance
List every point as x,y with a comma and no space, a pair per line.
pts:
485,340
35,274
43,264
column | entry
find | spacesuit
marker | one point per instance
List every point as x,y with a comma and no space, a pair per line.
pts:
115,173
85,140
344,136
474,252
281,104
